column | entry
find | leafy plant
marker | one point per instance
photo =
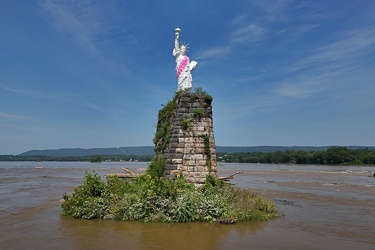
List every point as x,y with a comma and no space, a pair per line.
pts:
168,109
162,136
186,124
207,151
206,141
88,201
198,113
156,166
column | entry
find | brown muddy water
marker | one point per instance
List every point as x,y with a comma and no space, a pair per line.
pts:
323,207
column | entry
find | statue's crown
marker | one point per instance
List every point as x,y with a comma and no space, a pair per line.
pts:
186,46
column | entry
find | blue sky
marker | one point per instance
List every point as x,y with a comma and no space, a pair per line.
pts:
95,73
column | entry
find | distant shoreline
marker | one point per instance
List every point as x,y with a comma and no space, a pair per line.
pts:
336,155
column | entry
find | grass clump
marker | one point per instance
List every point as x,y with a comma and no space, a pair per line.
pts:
151,199
186,124
198,113
200,93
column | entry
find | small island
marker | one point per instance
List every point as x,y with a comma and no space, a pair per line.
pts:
166,195
181,183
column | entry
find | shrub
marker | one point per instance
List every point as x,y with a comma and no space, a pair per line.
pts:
168,109
156,166
152,199
88,201
199,92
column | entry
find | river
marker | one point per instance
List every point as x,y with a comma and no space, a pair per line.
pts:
323,207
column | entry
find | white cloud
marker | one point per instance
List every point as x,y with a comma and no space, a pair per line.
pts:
270,10
326,68
346,52
13,116
293,90
249,33
213,52
80,19
305,28
73,98
273,10
95,26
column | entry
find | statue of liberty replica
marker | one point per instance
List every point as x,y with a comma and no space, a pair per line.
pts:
183,65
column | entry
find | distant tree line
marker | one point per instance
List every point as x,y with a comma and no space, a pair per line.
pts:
331,156
87,158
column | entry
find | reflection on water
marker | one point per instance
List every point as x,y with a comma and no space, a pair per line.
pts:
324,207
151,236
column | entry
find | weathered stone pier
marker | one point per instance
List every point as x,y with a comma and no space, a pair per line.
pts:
188,143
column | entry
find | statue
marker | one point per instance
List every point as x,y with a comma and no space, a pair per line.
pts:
183,65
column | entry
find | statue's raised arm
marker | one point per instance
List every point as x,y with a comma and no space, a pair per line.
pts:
183,64
176,49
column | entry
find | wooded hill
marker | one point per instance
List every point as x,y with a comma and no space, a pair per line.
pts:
64,152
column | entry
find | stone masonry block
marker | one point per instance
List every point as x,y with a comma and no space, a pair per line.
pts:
176,155
201,163
169,167
196,105
199,150
188,157
189,162
184,99
198,157
176,161
180,150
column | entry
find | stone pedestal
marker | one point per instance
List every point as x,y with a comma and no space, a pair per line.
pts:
191,144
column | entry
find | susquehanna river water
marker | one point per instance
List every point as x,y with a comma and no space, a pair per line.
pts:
324,207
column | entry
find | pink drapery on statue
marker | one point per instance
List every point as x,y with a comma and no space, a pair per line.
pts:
184,62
